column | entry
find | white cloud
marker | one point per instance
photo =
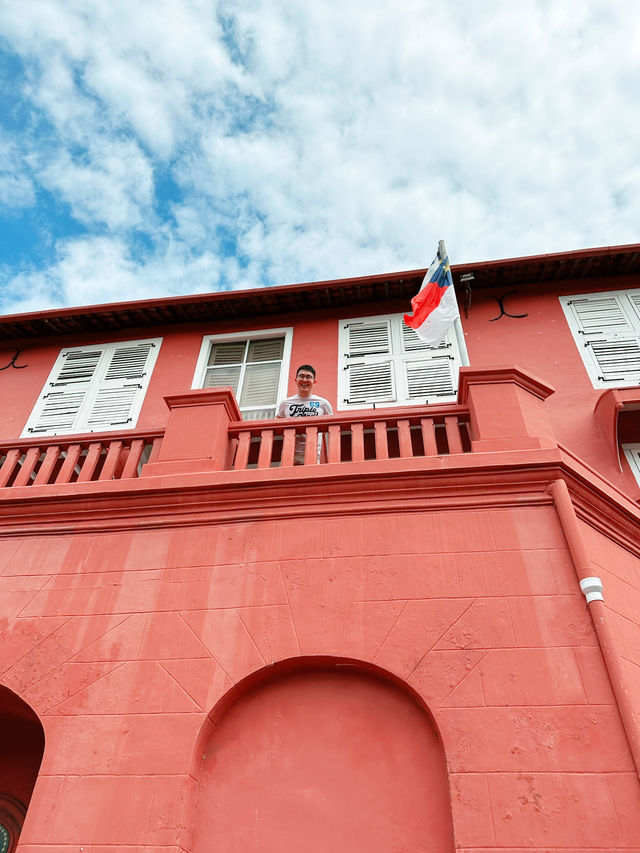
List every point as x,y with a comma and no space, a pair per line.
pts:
111,185
96,270
16,187
322,140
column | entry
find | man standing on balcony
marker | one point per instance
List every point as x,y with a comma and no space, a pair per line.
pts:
304,404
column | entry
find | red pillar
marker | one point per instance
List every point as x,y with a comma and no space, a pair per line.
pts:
506,408
197,433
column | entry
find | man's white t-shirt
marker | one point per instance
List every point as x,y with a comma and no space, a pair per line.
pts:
303,407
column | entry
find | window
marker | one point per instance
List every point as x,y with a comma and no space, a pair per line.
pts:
255,366
632,453
606,328
94,389
383,362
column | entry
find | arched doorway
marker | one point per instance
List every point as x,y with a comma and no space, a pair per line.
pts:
324,759
21,750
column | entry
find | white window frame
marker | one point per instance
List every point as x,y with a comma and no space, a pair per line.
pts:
94,385
208,340
629,304
454,337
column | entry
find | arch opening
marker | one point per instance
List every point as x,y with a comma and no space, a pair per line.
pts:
324,758
21,751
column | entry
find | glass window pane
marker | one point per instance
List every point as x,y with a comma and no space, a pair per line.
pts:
258,414
217,377
266,350
260,386
231,352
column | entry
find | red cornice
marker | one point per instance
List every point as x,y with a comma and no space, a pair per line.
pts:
458,481
499,375
205,397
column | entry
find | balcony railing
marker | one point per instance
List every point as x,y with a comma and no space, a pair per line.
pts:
349,438
53,460
499,410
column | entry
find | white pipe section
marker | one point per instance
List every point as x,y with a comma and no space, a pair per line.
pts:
592,589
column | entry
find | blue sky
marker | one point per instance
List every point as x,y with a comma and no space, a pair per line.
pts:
182,146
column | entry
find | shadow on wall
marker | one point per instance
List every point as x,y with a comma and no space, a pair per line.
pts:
326,756
21,750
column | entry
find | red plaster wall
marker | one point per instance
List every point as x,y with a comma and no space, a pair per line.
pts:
123,643
619,571
324,760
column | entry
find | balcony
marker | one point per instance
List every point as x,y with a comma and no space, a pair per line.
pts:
499,409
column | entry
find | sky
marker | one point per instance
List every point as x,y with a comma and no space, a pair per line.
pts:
161,147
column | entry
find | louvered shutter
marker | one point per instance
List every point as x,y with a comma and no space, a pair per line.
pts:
385,362
58,412
94,389
608,331
368,362
224,366
123,382
430,379
371,383
430,372
261,380
60,405
412,342
632,452
634,298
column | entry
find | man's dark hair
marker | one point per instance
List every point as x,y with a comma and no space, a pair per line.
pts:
308,367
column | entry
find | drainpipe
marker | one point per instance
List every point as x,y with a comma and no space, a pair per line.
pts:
591,586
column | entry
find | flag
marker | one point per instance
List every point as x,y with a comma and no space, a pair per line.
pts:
435,306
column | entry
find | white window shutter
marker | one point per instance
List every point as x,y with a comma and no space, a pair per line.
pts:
632,452
229,352
368,369
411,341
59,407
112,407
267,349
634,298
128,361
618,359
260,386
384,362
600,315
437,377
92,389
368,337
77,366
119,394
372,382
607,331
221,377
57,412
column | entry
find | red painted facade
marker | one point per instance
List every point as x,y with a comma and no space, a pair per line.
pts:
387,650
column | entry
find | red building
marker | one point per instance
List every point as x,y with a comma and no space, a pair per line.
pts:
388,648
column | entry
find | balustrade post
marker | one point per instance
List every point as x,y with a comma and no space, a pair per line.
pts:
506,409
197,433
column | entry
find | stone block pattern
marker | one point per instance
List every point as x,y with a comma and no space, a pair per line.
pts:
124,642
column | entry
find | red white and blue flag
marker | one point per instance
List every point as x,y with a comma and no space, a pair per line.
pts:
435,306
